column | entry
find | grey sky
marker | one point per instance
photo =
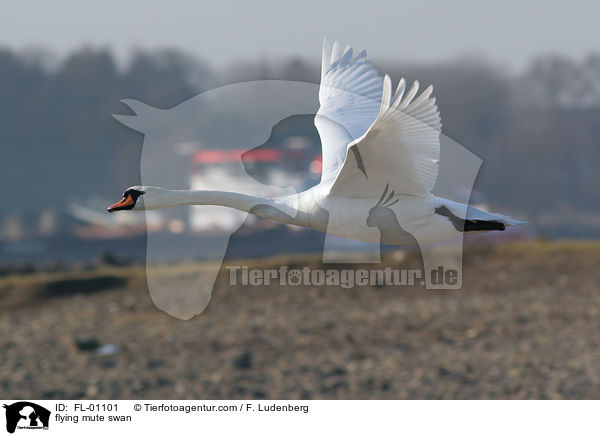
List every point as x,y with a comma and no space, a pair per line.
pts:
508,31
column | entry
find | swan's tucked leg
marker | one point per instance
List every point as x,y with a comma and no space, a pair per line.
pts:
442,264
360,252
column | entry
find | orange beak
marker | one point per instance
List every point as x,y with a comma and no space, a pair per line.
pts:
123,204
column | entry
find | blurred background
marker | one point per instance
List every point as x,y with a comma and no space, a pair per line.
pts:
518,85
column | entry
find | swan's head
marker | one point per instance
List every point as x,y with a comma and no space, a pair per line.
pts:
141,198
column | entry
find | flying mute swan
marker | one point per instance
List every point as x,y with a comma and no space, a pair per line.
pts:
380,162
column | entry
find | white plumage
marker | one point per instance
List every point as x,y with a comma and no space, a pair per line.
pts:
376,143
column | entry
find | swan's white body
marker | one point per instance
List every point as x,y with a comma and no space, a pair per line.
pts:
372,140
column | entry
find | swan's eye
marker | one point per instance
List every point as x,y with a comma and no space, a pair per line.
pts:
133,193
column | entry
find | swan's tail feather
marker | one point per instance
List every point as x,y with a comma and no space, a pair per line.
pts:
483,226
477,220
478,215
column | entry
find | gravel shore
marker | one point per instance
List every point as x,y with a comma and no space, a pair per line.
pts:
525,325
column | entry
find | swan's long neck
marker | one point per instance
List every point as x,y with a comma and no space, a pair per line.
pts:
280,209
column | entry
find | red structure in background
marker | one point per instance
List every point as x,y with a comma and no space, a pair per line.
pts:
222,156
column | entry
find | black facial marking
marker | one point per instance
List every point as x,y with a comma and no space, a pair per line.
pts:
134,194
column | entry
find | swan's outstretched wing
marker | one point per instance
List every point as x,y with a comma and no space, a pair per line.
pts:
350,96
401,148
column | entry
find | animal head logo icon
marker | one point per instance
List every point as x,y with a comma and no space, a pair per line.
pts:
27,415
381,212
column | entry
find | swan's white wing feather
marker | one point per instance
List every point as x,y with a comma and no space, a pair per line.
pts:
350,96
401,148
